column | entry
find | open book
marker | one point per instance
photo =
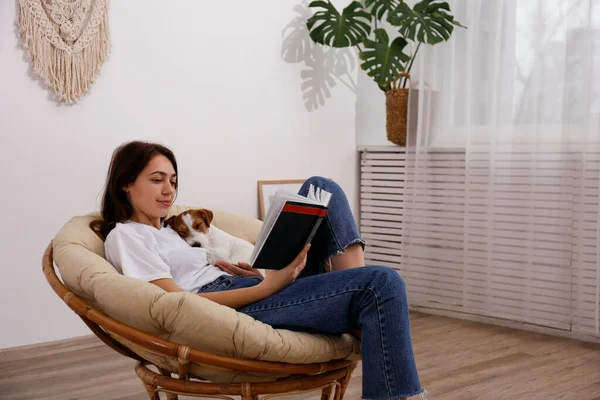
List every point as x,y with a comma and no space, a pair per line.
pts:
290,224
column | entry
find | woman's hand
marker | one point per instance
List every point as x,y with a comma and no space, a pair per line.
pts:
276,280
241,269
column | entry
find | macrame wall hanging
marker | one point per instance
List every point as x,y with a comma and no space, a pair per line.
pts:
67,41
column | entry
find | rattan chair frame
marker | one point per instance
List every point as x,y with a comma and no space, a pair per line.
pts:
331,377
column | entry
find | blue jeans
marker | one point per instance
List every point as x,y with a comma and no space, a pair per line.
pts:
372,299
337,231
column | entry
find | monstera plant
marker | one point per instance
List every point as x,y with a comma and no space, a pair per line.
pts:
383,58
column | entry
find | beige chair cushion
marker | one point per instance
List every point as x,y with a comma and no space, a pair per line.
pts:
185,318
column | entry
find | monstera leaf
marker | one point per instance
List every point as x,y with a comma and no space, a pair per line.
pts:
330,28
383,61
428,21
379,7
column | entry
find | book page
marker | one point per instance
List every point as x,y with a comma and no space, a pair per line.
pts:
318,195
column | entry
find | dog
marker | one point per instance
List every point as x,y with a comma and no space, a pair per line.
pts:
194,226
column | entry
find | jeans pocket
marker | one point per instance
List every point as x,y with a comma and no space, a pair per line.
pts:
221,283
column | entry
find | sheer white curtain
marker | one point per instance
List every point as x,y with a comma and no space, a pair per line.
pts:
502,180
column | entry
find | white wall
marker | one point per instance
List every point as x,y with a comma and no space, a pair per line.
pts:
206,79
370,113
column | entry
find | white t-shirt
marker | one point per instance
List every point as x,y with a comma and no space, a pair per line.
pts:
144,252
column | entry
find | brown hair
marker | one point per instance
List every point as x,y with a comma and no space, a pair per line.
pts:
128,161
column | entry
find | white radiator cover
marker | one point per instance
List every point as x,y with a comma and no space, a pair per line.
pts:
514,236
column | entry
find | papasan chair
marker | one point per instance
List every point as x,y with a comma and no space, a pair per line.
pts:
186,344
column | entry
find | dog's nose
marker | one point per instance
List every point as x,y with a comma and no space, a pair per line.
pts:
196,244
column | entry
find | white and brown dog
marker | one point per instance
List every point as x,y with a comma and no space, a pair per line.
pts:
194,226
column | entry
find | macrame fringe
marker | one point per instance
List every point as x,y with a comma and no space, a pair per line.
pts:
70,74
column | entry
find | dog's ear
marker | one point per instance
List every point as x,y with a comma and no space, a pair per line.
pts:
207,216
169,222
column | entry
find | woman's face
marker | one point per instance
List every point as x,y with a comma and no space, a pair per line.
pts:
153,191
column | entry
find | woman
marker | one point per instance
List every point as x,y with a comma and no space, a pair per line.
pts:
142,185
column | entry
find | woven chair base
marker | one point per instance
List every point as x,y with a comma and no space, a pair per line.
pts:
332,384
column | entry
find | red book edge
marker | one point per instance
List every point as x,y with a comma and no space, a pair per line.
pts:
320,212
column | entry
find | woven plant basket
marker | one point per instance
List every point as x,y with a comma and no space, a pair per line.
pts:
396,111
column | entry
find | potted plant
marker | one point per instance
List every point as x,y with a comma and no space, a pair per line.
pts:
383,58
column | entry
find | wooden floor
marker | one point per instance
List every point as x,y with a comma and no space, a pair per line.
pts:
456,360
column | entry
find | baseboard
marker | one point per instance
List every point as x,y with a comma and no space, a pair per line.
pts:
48,348
509,324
